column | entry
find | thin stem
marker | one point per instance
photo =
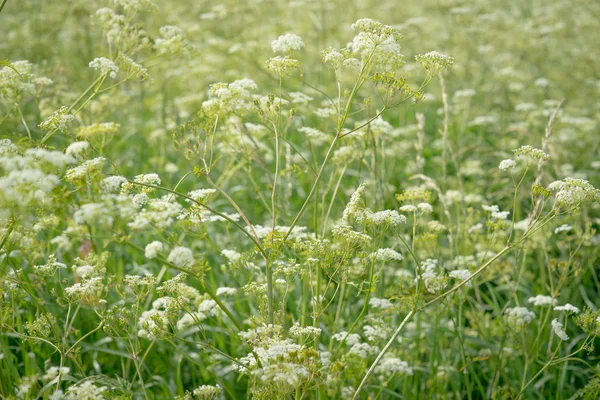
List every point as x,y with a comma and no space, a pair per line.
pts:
51,133
314,187
271,312
276,177
23,121
238,209
446,123
382,353
9,230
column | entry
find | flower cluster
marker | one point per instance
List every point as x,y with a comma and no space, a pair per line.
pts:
105,66
287,43
434,62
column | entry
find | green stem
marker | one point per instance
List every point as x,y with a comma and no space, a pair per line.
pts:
11,226
24,123
271,311
314,187
51,133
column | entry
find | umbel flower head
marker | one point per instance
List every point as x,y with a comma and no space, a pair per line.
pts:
18,81
530,154
377,31
571,192
281,65
58,120
505,165
375,43
172,42
518,317
105,66
434,62
102,128
287,43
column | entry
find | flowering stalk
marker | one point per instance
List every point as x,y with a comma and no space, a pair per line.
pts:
416,309
94,86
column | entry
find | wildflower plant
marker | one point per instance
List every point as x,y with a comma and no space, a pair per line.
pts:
195,204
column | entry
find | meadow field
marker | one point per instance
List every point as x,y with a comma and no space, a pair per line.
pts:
299,199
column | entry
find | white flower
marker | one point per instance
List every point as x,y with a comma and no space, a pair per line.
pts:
350,339
287,43
314,134
136,5
380,303
97,129
105,66
377,332
434,62
207,391
461,274
172,41
77,149
571,192
159,212
425,208
181,257
363,350
507,164
563,228
332,57
350,236
58,120
226,291
93,213
557,327
89,169
112,184
387,255
501,215
298,331
57,395
88,291
531,154
140,200
433,281
385,217
541,300
476,228
53,372
408,208
281,65
355,205
518,317
568,308
86,390
152,249
144,179
231,255
495,212
493,208
200,194
389,366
